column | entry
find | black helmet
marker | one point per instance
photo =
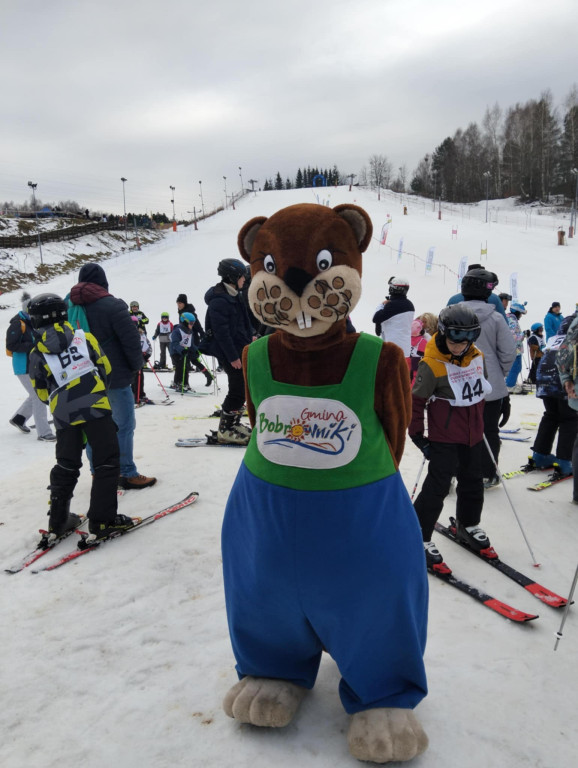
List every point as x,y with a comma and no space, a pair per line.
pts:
459,323
47,309
479,283
231,270
505,296
398,286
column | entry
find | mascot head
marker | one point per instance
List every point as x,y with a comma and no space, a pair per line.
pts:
305,265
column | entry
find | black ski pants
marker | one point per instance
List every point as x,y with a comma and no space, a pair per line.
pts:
101,436
446,461
182,368
558,416
235,398
492,413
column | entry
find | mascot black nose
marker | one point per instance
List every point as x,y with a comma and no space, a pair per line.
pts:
297,279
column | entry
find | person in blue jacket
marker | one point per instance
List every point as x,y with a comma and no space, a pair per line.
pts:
494,300
182,349
553,320
20,339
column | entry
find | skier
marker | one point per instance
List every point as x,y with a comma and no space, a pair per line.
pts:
499,350
69,371
418,345
182,349
229,330
163,334
138,381
20,339
451,385
136,312
393,318
559,417
566,365
553,320
536,347
517,309
183,305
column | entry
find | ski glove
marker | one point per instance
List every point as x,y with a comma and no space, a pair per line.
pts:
505,411
422,443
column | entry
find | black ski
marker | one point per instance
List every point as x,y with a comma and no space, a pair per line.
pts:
542,593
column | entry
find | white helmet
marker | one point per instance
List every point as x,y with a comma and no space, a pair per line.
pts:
398,286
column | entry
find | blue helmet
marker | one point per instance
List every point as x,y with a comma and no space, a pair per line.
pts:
188,317
536,327
518,306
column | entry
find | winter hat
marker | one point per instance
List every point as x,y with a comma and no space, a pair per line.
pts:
417,327
93,273
25,299
182,298
554,304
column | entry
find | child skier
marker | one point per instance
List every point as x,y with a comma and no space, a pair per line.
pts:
418,345
517,309
163,334
536,347
138,381
451,384
135,310
69,371
183,350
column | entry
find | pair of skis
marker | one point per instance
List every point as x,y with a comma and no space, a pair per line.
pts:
543,594
88,543
207,441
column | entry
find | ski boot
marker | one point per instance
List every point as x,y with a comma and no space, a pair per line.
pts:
208,377
119,523
541,461
491,482
61,519
476,539
244,429
562,468
433,559
228,432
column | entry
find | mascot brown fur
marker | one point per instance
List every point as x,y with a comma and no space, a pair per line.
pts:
305,280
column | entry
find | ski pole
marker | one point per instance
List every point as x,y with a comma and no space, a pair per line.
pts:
534,563
417,478
159,381
565,616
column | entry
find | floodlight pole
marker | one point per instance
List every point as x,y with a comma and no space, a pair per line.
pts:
574,172
201,195
33,188
241,177
173,202
487,175
225,180
124,207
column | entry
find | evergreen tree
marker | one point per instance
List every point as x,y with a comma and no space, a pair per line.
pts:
278,181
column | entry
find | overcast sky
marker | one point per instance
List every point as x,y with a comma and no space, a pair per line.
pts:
170,93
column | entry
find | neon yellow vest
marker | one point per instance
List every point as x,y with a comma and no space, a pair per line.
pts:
318,438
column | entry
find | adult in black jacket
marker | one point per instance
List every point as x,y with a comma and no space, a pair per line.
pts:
228,331
109,320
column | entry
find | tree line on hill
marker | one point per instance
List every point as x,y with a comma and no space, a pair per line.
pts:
35,208
305,178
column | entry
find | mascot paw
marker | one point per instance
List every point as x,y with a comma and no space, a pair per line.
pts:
385,735
263,701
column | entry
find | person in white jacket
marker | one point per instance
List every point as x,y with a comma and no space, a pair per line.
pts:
393,318
499,350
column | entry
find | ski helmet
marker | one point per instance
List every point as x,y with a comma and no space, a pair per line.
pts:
231,270
479,283
536,327
134,304
519,307
459,323
164,314
505,296
188,317
47,309
398,286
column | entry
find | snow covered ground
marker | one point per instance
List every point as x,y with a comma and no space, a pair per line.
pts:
122,658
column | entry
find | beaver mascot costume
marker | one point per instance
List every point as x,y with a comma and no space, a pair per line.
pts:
321,546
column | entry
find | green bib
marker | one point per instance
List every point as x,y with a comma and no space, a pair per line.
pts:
317,438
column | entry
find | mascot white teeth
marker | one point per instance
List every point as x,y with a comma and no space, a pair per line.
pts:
322,549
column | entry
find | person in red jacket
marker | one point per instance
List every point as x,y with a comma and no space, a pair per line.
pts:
451,385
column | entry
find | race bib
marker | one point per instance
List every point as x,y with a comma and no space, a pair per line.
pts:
186,340
468,384
71,364
309,433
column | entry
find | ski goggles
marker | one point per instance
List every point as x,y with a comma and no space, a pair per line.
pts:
461,334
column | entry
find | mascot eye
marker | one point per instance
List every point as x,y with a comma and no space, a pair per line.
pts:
324,260
269,264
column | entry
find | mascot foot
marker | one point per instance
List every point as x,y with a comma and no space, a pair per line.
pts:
263,701
385,735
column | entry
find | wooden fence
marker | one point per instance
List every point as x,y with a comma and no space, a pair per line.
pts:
57,235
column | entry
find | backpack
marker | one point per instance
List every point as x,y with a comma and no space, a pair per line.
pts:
77,316
9,352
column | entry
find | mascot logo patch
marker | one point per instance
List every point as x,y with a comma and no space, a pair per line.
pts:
309,433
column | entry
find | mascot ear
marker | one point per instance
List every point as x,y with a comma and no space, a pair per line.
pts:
359,222
247,236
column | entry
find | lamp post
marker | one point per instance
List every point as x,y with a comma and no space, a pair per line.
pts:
487,175
124,206
434,174
33,188
201,195
241,177
225,180
574,172
173,201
